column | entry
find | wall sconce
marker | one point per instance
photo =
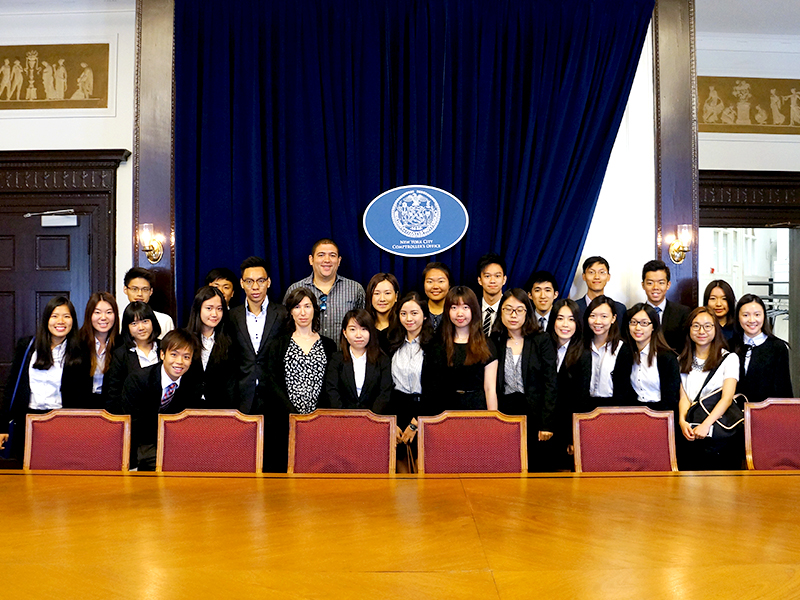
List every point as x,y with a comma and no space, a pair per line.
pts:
152,242
681,244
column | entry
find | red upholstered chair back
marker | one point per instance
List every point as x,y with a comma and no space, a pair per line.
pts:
342,441
77,440
210,441
473,441
772,434
624,439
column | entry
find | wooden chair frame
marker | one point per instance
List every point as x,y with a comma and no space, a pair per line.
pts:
217,412
750,406
613,410
62,412
496,414
294,419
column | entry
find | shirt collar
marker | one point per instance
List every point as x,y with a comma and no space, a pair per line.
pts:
166,379
360,359
495,307
662,305
264,306
755,341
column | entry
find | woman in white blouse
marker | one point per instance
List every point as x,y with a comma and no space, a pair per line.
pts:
49,372
139,349
706,366
602,339
100,337
216,363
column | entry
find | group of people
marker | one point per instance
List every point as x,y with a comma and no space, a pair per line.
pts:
331,344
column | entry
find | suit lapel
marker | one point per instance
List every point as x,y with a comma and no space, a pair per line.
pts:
349,376
526,359
369,379
269,320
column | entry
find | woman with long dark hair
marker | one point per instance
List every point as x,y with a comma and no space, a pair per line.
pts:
469,360
140,331
647,371
526,375
603,340
706,367
216,363
763,357
719,297
359,374
50,371
100,337
383,291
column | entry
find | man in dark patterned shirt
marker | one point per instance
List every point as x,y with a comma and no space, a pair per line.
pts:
336,295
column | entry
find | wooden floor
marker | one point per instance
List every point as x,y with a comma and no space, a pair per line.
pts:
148,536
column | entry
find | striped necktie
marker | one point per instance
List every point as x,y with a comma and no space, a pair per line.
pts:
487,321
169,392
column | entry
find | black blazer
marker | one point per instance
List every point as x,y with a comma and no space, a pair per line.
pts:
124,361
76,388
141,399
538,378
276,400
669,375
674,323
218,381
340,384
252,363
768,373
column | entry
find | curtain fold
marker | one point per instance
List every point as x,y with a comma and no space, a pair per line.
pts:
292,116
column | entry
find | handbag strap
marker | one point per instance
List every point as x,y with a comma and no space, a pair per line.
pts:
710,376
19,375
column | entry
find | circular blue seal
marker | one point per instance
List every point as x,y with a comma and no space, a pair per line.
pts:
415,220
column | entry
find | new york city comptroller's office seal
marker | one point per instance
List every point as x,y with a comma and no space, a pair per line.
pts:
416,213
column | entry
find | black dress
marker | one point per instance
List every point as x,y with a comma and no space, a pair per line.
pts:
461,384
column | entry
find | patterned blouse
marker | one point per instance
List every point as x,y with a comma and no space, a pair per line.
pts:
513,373
304,375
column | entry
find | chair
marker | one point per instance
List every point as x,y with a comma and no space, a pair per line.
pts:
771,434
210,441
624,439
473,441
342,441
77,440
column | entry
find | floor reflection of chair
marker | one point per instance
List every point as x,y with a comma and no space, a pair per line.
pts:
210,441
477,441
77,440
342,441
772,437
624,439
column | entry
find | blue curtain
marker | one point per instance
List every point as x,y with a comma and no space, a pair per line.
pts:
292,115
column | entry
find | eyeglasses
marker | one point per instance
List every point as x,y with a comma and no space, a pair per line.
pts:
136,290
708,327
520,310
323,302
642,324
251,282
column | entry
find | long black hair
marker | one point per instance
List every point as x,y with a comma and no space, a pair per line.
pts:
222,341
138,311
398,335
575,348
44,339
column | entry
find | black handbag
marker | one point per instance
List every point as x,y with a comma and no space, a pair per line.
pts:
731,420
7,451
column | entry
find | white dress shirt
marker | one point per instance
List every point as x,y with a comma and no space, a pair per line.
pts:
407,367
46,384
495,308
693,380
561,352
165,322
359,370
603,362
97,376
661,308
255,323
208,346
545,317
146,360
644,378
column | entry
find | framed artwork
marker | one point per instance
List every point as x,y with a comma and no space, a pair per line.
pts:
70,79
748,105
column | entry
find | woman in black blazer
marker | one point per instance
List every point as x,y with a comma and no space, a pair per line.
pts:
100,337
574,371
647,371
295,368
59,366
139,349
526,375
215,364
763,357
359,375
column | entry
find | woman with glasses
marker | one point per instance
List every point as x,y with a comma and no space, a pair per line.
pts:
647,371
526,375
602,339
706,367
763,357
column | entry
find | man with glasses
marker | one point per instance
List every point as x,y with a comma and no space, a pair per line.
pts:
674,317
255,323
597,274
336,295
139,284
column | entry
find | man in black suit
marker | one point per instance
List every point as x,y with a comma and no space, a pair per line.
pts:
255,323
160,389
674,317
596,274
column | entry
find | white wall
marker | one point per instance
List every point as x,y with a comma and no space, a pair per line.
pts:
74,21
749,55
623,226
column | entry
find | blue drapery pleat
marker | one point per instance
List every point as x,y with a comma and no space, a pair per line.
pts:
292,115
